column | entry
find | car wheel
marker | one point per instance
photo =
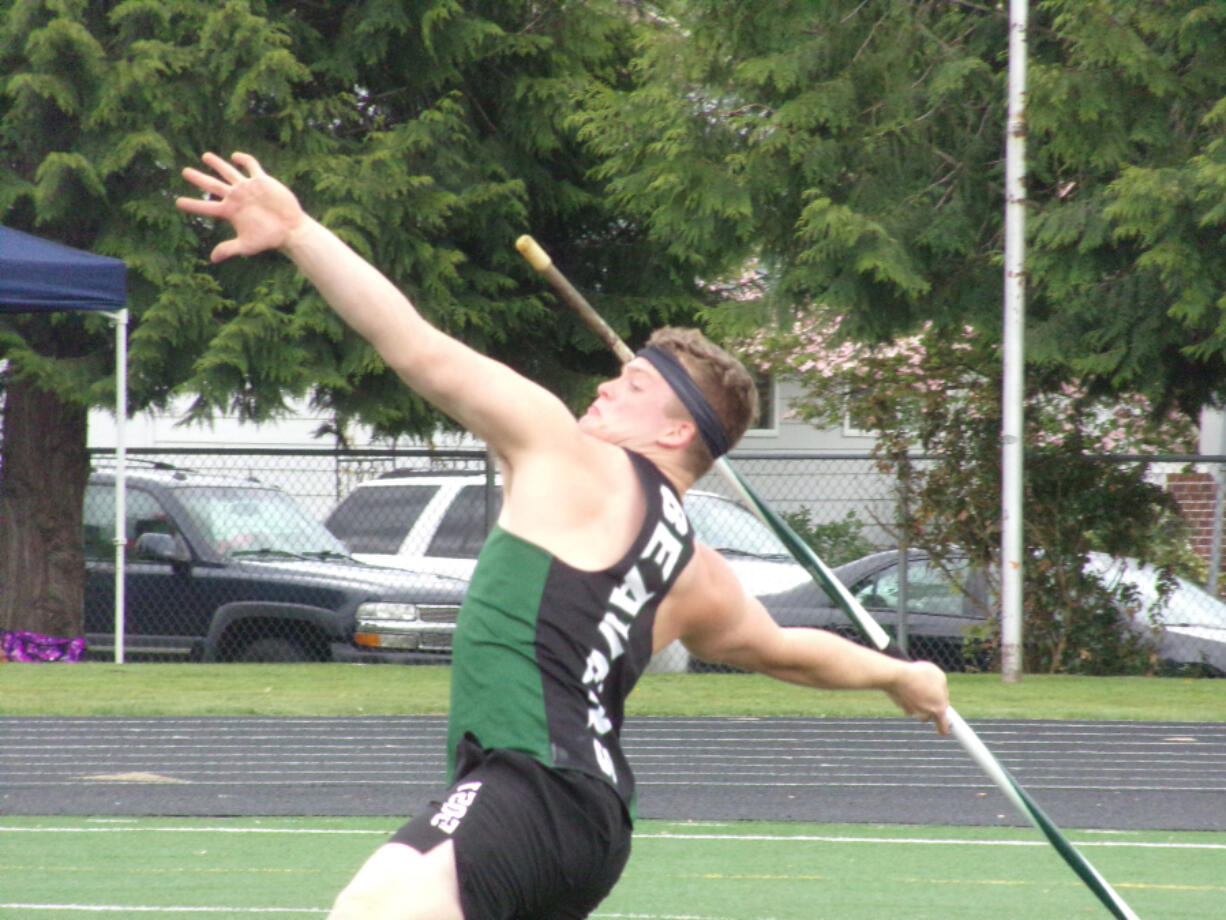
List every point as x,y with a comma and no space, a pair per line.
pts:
274,650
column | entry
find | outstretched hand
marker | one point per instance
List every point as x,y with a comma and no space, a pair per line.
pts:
923,693
263,212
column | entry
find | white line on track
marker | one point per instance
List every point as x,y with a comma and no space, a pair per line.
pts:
797,783
134,908
310,911
192,830
654,835
291,783
929,841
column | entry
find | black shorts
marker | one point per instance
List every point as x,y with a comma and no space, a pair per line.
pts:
531,843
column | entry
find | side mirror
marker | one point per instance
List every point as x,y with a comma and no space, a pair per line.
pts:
163,547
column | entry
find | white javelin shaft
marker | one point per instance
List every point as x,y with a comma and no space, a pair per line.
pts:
1031,811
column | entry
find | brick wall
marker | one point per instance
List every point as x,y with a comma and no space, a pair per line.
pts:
1195,494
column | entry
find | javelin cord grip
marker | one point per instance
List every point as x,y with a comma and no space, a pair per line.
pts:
869,628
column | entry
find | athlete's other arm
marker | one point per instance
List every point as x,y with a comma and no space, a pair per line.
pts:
508,411
718,621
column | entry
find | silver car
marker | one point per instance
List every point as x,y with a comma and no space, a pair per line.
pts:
948,601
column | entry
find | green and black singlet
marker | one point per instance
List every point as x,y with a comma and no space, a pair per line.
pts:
545,654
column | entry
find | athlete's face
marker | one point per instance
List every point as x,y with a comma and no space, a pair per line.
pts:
635,408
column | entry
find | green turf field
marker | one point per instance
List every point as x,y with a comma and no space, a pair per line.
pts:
71,868
244,868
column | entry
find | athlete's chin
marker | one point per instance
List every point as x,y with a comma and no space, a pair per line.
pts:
593,427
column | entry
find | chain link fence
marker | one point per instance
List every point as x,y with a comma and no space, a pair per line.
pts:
240,555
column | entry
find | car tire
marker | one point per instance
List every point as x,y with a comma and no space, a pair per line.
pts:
276,649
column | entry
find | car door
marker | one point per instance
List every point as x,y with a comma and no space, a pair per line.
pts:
374,521
940,614
162,606
457,540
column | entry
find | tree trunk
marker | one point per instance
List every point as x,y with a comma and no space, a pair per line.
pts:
43,471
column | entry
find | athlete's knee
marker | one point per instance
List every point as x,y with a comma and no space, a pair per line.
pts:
398,883
359,902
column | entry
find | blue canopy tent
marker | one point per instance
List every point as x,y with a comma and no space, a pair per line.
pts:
40,276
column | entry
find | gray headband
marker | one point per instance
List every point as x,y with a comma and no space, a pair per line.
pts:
710,428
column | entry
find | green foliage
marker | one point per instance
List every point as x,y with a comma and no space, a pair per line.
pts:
938,392
1126,186
854,151
835,542
1076,504
853,148
429,134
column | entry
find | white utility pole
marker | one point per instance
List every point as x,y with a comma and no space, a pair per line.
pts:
1011,546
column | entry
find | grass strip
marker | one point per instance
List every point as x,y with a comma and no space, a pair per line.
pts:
101,689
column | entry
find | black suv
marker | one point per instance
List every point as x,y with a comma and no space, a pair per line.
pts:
227,569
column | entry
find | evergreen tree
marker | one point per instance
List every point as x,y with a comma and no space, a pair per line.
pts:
853,148
427,133
1128,137
856,150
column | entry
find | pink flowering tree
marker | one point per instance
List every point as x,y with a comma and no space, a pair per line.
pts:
934,400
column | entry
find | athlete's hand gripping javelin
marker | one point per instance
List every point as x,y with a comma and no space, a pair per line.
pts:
264,213
923,694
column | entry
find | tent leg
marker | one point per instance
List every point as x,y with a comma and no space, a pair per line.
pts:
121,512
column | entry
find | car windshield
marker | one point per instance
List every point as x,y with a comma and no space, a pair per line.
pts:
377,520
929,588
1187,604
253,521
726,526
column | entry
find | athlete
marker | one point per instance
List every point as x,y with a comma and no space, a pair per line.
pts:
591,567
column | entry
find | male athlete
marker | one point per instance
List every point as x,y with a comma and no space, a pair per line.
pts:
591,567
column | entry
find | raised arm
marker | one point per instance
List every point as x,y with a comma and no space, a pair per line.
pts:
509,412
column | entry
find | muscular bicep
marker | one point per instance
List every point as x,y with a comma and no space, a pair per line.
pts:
720,622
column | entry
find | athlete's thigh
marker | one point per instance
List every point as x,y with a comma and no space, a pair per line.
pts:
529,842
400,883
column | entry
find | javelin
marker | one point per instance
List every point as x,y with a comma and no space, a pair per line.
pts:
869,628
